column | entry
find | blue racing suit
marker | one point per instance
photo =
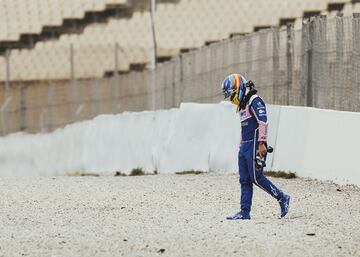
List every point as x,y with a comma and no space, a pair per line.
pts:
253,130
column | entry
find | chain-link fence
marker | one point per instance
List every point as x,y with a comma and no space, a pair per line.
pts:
318,65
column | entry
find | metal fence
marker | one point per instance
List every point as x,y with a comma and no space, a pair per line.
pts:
317,65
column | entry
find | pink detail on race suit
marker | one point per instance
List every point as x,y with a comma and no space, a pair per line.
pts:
262,127
262,131
245,114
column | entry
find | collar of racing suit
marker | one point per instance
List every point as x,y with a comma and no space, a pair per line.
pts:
246,99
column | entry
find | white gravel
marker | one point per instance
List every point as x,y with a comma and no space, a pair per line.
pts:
173,215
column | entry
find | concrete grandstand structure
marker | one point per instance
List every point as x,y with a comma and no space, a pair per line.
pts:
186,25
25,23
54,69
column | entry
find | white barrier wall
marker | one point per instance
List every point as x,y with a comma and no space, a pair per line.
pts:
318,143
311,142
194,136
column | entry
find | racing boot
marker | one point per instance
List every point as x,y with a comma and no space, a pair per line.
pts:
241,215
284,205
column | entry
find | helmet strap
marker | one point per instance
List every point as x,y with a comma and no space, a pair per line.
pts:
247,97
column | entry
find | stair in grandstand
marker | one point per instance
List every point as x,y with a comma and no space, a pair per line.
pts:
77,25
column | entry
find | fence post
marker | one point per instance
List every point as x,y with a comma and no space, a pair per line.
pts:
323,65
21,121
3,115
116,56
339,71
49,106
115,81
310,89
356,60
307,42
304,62
71,105
7,82
7,97
72,91
276,65
320,94
173,83
94,97
289,58
262,50
153,88
181,79
249,53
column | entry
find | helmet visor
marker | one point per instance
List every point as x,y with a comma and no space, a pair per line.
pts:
228,92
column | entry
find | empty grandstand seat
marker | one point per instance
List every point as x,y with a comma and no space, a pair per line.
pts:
187,24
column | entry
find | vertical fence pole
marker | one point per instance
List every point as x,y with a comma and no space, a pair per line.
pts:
73,89
4,116
71,96
321,89
94,97
181,79
7,94
289,58
115,80
261,66
174,78
249,53
276,65
7,82
309,53
154,55
116,56
310,89
164,84
21,121
339,69
152,15
50,106
356,61
303,63
7,90
153,89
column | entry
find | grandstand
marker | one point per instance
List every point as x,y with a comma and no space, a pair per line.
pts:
25,23
66,44
185,25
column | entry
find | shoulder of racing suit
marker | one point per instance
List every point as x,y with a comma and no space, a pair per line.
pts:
252,98
257,103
